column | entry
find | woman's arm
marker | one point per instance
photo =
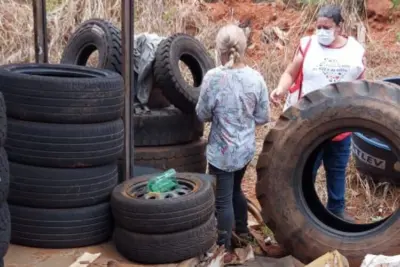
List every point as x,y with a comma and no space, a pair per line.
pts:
205,103
288,77
290,74
262,110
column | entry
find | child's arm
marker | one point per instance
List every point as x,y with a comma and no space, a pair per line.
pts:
205,103
261,112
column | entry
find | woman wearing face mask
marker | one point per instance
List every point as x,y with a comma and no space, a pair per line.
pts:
324,58
234,97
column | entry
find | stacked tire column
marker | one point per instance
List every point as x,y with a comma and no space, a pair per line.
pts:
65,136
157,228
172,137
5,222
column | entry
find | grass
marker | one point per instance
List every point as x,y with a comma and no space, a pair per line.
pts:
194,16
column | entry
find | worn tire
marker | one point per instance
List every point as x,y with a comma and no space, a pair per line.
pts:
290,205
168,76
167,248
375,159
60,228
61,93
92,35
5,229
64,145
40,187
183,158
170,215
3,120
4,175
167,126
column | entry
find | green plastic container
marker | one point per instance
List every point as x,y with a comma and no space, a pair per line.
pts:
163,182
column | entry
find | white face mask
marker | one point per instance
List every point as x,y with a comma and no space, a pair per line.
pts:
326,37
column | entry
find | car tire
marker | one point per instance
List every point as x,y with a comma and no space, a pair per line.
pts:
57,188
60,228
168,77
166,248
134,212
92,35
163,127
64,145
56,93
183,158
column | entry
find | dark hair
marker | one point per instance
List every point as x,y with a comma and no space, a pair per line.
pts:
331,12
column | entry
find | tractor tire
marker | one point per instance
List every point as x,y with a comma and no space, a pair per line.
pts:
290,206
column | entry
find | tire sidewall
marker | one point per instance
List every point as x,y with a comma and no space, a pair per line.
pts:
120,195
278,190
182,45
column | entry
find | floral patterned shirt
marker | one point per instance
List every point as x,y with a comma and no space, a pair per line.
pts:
235,101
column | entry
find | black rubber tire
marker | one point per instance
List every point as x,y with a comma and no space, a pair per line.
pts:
150,216
64,145
374,158
61,93
5,229
168,76
92,35
3,120
395,80
40,187
168,248
4,175
290,206
60,228
167,126
183,158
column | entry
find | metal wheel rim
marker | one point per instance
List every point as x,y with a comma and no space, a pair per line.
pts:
139,191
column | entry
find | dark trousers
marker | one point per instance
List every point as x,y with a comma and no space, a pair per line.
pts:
231,204
335,157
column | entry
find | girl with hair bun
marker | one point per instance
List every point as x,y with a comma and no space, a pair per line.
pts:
234,98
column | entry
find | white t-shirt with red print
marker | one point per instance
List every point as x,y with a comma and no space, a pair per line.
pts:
325,65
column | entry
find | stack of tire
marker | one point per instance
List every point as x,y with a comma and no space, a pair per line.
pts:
159,228
65,135
165,136
374,157
5,222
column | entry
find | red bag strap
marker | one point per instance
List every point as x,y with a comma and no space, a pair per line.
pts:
301,68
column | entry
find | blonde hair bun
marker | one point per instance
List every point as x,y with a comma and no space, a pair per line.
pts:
232,40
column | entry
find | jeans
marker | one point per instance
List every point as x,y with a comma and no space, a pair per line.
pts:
335,156
231,205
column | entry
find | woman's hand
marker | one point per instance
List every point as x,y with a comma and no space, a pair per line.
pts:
277,94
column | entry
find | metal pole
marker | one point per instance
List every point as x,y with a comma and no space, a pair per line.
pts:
127,54
40,31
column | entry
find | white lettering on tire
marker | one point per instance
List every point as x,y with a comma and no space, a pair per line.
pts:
368,159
